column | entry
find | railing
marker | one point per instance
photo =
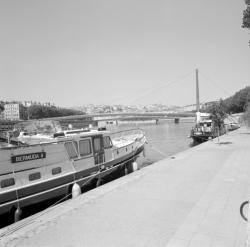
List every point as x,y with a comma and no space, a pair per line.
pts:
125,133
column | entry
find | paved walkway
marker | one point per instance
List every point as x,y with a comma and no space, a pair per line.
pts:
191,200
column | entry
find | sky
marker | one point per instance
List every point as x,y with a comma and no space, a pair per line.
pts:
132,52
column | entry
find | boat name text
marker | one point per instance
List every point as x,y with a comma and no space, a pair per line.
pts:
28,157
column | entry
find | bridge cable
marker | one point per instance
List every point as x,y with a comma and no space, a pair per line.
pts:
144,93
215,84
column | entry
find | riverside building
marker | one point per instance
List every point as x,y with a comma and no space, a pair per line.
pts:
11,112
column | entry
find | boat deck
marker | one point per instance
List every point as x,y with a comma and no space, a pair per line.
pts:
123,141
191,199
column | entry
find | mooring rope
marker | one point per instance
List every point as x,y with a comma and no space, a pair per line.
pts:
157,150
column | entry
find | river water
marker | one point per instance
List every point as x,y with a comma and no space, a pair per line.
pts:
164,139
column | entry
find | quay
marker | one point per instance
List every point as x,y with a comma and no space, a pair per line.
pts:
191,199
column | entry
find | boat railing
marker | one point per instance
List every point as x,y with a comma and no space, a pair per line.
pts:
203,130
125,133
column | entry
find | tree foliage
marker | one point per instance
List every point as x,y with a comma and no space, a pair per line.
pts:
246,16
218,113
41,111
238,102
1,107
23,112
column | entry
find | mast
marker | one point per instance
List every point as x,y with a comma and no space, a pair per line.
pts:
197,91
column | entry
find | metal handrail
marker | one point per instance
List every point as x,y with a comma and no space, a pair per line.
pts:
121,134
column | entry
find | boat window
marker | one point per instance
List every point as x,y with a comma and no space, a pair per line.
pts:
97,144
85,147
71,150
7,182
107,142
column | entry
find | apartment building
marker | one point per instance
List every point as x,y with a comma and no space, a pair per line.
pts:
11,112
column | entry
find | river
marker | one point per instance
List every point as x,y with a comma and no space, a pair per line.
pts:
164,139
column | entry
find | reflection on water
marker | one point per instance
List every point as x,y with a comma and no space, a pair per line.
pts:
164,139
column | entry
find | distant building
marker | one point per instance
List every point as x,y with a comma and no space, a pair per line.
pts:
11,112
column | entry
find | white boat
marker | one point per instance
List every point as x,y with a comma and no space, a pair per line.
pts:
203,129
41,161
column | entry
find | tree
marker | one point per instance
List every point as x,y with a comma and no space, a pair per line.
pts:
218,114
246,16
238,102
23,112
1,107
41,111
